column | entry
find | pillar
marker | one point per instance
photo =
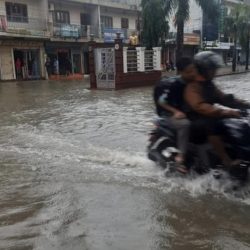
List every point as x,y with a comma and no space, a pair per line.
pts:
125,59
140,59
157,58
92,74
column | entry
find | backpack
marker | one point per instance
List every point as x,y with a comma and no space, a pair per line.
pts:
170,90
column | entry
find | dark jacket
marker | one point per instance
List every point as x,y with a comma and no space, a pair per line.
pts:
172,91
201,96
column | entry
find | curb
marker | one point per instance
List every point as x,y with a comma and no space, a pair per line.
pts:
233,73
219,75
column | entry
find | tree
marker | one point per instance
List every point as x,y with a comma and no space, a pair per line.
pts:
181,9
238,29
244,31
154,22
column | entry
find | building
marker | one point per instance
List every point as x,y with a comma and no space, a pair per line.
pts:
57,32
23,30
192,33
213,31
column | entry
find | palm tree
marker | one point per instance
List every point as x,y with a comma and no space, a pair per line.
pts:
181,9
238,29
244,31
154,22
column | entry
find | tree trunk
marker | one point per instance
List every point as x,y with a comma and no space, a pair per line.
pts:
247,50
179,40
234,50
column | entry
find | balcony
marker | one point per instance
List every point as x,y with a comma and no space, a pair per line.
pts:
122,4
72,31
23,26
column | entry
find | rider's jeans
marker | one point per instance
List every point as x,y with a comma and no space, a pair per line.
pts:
182,128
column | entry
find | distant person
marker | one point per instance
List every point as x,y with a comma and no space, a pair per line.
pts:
202,94
133,39
18,65
56,67
30,66
170,106
68,66
35,72
171,64
48,66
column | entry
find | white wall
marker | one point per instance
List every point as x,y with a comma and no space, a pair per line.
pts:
75,11
194,22
36,8
118,15
6,63
122,4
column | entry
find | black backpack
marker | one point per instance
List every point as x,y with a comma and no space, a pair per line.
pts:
171,90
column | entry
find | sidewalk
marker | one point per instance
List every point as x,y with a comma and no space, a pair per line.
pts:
240,69
227,70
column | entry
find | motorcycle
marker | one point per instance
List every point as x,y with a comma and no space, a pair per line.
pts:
201,157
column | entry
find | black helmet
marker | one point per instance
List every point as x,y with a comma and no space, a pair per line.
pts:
206,61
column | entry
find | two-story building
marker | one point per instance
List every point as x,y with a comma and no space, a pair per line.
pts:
33,32
72,22
192,33
23,30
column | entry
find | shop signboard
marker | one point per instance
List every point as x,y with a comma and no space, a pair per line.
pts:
110,34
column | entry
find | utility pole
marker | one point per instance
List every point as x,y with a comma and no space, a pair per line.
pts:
247,45
235,48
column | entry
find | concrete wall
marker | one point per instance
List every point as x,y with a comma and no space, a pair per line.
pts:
36,8
117,15
76,9
6,63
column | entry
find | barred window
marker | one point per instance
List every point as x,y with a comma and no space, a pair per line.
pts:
16,12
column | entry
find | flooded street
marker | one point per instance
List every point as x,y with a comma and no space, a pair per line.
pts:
74,175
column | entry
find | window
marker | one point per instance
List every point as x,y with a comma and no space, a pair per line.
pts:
61,17
85,19
107,21
16,12
124,23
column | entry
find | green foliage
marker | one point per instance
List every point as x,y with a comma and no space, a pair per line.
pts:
180,9
238,24
154,21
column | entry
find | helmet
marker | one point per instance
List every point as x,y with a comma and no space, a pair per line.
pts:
206,61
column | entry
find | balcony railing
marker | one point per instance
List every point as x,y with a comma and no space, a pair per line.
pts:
75,31
24,26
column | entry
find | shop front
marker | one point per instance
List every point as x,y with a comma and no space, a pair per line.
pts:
64,59
192,43
21,60
27,64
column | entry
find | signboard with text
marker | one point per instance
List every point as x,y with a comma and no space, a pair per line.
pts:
109,34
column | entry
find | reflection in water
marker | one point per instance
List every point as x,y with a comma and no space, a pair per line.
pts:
74,175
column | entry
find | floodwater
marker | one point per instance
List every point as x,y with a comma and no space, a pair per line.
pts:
74,175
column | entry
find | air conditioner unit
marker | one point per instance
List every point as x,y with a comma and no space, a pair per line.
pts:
51,7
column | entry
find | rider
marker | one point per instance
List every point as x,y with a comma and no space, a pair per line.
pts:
169,101
202,94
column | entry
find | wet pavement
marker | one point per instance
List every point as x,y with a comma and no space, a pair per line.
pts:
74,175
